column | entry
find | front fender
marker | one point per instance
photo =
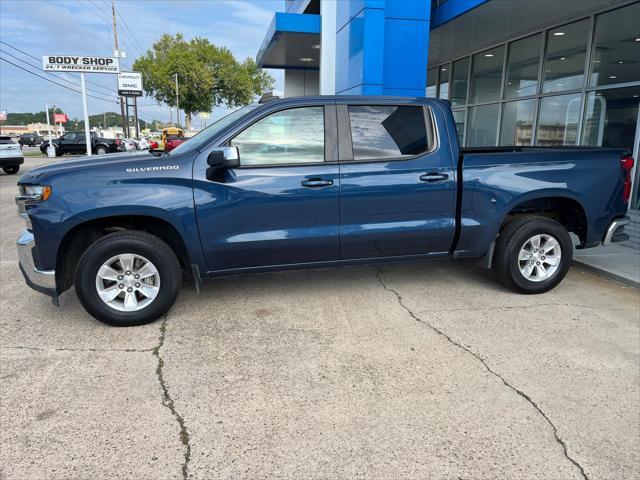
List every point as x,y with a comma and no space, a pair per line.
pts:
116,189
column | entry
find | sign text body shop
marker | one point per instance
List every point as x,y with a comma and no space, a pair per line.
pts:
72,63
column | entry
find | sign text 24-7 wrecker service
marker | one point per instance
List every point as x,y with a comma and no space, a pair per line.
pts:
70,63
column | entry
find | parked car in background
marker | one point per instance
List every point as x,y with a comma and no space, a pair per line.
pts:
307,182
75,142
143,144
129,144
30,139
173,141
11,156
172,137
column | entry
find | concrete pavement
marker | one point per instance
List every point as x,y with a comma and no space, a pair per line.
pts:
428,370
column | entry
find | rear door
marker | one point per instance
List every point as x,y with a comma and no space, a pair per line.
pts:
397,183
280,207
80,144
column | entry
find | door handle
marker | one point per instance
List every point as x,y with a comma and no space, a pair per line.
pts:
433,177
316,183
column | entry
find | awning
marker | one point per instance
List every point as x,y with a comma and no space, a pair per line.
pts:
292,41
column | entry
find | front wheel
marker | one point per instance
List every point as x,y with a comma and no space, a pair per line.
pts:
128,278
101,151
12,170
532,254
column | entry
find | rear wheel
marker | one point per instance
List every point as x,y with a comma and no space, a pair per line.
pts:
128,278
12,170
533,254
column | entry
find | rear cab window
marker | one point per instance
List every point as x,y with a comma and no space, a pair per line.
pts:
387,132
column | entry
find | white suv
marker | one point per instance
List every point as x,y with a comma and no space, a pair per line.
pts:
10,155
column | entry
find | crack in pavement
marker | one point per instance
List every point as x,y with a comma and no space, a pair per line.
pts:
521,307
63,349
486,366
167,401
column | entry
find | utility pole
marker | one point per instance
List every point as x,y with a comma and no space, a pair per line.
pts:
115,41
177,104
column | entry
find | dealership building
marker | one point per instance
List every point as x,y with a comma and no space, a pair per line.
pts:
517,72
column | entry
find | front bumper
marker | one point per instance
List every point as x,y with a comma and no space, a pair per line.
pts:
43,281
615,231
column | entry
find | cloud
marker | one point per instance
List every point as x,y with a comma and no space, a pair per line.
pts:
82,27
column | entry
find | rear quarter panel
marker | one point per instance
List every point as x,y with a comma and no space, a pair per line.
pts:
495,183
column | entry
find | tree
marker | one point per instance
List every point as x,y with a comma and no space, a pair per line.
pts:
26,118
208,75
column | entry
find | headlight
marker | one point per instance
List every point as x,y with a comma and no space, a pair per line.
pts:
34,193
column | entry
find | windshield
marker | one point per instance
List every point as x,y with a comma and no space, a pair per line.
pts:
204,136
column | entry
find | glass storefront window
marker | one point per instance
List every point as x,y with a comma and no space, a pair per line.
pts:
610,118
483,126
432,78
517,122
558,120
443,92
616,54
486,75
522,67
459,118
459,81
565,57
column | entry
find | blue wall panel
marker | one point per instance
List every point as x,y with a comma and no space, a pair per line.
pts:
382,47
452,9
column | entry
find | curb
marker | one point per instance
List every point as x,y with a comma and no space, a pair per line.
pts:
628,282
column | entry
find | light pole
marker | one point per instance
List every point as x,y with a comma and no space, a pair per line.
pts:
51,152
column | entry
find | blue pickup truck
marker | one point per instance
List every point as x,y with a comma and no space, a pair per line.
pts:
307,182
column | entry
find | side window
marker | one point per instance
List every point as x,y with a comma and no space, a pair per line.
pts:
379,132
69,137
287,137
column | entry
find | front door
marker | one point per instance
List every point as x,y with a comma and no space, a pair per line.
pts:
397,183
280,207
68,142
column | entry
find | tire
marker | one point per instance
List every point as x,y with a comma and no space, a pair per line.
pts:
140,245
546,272
12,170
101,150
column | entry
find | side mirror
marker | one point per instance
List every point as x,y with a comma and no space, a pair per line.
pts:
221,159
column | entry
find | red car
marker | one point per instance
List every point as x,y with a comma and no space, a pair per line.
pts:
173,141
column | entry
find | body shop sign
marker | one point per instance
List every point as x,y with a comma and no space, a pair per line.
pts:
71,63
130,84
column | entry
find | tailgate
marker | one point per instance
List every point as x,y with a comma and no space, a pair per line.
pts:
10,150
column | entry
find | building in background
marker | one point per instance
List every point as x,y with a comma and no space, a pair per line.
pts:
517,72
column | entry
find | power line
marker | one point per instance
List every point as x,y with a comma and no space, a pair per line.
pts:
97,13
59,84
110,90
129,34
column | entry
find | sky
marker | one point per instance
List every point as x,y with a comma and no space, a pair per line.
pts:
83,27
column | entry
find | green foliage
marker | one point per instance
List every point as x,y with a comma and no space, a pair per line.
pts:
208,75
75,124
113,120
27,118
